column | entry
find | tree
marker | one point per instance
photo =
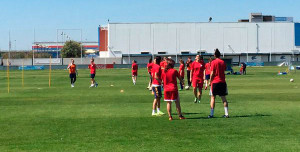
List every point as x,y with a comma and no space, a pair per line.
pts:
71,49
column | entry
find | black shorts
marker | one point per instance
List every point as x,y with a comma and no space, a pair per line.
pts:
72,75
157,91
207,76
219,89
93,75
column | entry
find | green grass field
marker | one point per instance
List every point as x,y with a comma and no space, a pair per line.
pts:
264,114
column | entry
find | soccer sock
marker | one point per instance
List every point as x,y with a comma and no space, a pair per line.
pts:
212,112
158,109
153,111
226,111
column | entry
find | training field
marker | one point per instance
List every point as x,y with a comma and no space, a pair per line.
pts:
264,114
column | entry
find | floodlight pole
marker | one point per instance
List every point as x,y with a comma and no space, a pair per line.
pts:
9,45
57,43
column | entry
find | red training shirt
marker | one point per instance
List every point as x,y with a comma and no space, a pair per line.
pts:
92,68
149,67
72,68
134,67
181,70
207,68
170,80
218,66
155,69
198,69
163,64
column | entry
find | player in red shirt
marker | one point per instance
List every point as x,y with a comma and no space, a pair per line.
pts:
163,63
197,74
181,72
134,70
207,72
218,83
149,68
73,72
156,86
188,71
92,68
170,77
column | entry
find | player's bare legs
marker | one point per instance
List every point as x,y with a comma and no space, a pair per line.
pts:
225,106
212,106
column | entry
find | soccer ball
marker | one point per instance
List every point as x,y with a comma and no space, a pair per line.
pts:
187,87
291,80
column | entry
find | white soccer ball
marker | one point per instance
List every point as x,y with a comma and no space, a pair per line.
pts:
291,80
187,87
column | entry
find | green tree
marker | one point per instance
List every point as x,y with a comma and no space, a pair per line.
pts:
71,49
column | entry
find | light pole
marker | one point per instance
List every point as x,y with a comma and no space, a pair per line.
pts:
15,45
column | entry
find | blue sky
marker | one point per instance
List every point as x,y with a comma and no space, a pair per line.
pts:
21,17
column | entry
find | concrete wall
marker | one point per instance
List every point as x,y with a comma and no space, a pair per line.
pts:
59,61
133,38
17,62
67,61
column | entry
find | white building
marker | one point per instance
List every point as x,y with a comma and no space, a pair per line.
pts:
241,41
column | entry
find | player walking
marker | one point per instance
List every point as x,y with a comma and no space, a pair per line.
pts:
188,71
197,74
92,68
149,68
218,84
156,86
170,88
181,73
134,70
72,72
207,72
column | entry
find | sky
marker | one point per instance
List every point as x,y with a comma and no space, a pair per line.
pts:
21,18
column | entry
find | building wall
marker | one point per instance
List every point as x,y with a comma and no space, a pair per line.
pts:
103,39
173,38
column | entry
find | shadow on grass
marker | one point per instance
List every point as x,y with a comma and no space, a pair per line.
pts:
253,115
191,113
238,116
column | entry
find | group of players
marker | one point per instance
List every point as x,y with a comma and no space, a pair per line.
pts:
163,75
73,73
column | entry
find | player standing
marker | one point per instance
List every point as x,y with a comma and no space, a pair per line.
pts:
170,88
156,86
149,68
163,64
72,72
92,68
188,70
181,73
207,72
134,70
197,74
218,84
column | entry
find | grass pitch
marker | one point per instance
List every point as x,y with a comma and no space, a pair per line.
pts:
263,108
